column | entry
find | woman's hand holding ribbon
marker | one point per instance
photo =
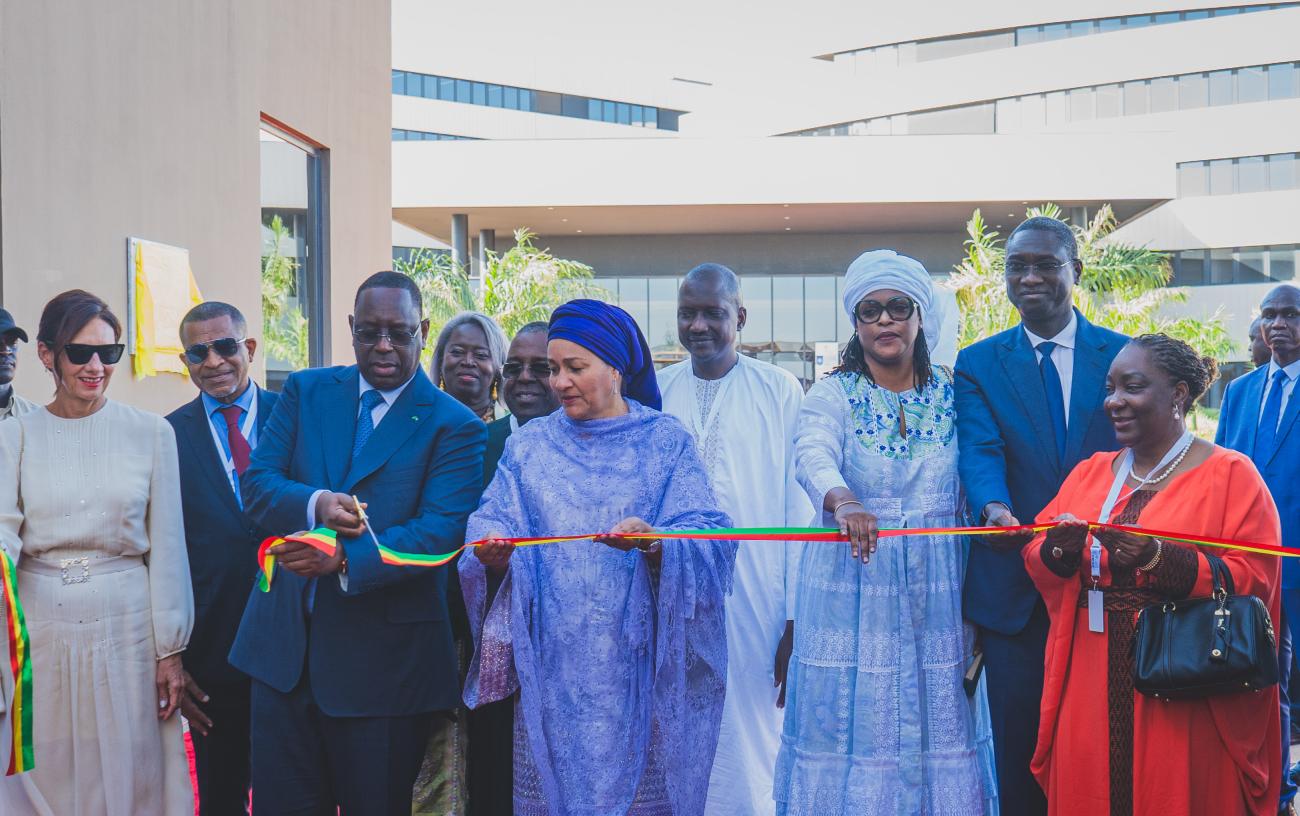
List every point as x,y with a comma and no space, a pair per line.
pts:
1069,534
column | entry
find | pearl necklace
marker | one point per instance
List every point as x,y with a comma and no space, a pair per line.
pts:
1148,480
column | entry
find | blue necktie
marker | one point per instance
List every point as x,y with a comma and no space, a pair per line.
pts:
365,422
1266,431
1055,398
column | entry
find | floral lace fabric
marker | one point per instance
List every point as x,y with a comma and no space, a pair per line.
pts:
621,678
877,720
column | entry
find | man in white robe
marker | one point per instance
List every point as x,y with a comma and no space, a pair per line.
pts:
742,413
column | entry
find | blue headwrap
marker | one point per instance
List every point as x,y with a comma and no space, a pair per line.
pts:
612,335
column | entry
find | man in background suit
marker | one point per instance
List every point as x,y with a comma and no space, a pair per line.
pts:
1029,408
1257,419
215,436
350,656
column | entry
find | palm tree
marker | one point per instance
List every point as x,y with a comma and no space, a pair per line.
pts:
518,286
284,326
1123,287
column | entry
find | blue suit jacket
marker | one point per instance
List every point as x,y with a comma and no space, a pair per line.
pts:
1007,451
221,540
384,647
1238,418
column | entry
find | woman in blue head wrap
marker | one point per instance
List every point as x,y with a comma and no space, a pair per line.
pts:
613,649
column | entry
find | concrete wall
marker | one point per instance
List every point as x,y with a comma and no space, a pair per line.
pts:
141,119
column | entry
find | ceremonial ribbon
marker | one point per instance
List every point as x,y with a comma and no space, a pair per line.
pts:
20,712
324,540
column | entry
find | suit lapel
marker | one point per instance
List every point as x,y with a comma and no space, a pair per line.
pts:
1288,419
338,418
199,438
412,407
1087,388
1252,402
1020,363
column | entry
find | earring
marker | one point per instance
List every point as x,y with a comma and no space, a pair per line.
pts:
494,392
1177,414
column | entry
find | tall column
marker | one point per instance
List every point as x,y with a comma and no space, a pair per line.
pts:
487,242
460,240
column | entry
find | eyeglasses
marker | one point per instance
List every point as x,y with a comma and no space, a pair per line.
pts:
80,353
371,337
899,307
539,371
1016,268
226,347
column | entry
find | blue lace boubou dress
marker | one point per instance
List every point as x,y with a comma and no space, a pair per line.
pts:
621,679
876,717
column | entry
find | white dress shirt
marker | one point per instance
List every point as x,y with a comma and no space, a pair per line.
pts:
1062,356
1292,372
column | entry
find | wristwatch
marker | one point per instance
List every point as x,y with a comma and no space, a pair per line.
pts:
653,546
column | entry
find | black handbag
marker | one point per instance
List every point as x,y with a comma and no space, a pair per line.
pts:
1202,647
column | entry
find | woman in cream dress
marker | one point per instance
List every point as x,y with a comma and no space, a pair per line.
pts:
90,511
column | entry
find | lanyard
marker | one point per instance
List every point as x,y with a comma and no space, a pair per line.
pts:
227,462
1112,498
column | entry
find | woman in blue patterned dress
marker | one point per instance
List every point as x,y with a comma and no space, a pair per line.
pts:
877,720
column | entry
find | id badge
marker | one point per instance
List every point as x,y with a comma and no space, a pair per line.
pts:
1096,611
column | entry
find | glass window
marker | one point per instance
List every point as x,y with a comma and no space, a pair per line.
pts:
661,325
527,100
1082,106
1221,88
447,89
1283,81
463,91
1164,94
977,118
624,113
1032,113
1193,91
295,278
1110,24
1252,266
1226,12
1252,175
1167,17
887,56
593,109
1137,20
1028,35
609,111
787,312
907,53
510,98
1109,101
1135,98
637,116
1199,14
494,96
399,135
1189,268
573,106
399,82
1193,179
1252,84
1056,31
480,93
1283,171
634,297
651,117
1055,109
1082,28
1006,115
1221,264
1223,177
1281,263
820,309
757,293
878,126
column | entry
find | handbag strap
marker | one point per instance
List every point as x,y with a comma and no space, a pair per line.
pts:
1220,574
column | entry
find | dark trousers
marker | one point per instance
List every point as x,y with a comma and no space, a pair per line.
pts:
307,763
221,759
1287,690
490,757
1013,666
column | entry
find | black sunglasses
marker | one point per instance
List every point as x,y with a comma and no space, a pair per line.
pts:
226,347
539,371
80,353
899,307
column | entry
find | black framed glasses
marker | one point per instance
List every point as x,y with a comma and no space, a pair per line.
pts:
540,371
80,353
899,307
371,337
1017,268
226,347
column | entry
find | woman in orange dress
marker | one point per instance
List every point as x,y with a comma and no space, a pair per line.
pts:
1102,747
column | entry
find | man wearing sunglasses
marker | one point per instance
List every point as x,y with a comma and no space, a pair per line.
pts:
10,403
1029,408
216,434
351,657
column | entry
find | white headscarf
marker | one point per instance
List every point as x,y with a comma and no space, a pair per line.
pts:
886,269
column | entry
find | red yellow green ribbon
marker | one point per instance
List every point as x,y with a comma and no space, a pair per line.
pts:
20,647
325,540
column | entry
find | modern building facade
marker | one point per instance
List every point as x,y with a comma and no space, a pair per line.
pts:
784,142
191,124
